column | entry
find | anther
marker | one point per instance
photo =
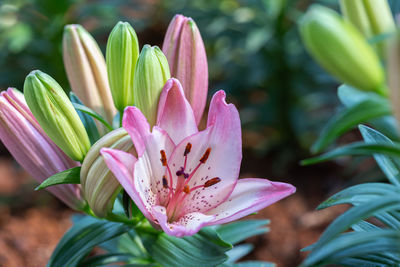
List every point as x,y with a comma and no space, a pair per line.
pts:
163,158
164,182
186,189
206,155
187,149
212,182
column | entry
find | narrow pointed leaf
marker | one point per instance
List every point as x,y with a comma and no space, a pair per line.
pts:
81,238
70,176
389,165
352,245
205,248
87,120
239,231
348,118
359,148
93,114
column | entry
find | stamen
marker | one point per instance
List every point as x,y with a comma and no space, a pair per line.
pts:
165,182
212,182
187,149
206,155
163,158
186,189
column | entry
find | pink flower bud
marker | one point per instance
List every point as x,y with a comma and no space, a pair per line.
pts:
186,55
32,148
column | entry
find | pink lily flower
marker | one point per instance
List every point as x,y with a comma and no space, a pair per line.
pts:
186,55
185,179
32,148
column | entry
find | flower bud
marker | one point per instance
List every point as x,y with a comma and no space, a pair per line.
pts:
33,149
371,17
184,49
340,48
121,56
55,114
151,73
86,70
355,12
99,185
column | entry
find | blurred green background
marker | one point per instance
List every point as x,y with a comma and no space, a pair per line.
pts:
253,48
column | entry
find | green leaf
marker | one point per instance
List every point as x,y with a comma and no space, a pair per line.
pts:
87,120
359,148
80,239
70,176
352,245
254,264
238,252
388,164
359,194
241,230
347,118
93,114
205,248
357,213
350,96
103,260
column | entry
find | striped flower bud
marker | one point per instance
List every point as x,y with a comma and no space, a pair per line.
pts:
86,70
99,185
340,48
371,17
151,73
184,49
33,149
55,114
121,56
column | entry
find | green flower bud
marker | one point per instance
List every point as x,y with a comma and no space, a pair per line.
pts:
55,114
151,73
371,17
99,185
121,56
355,12
341,49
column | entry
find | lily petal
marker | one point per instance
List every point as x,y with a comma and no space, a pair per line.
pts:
187,225
135,123
149,170
175,114
223,137
122,164
250,195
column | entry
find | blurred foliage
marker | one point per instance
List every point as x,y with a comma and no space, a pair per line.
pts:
255,54
253,47
31,31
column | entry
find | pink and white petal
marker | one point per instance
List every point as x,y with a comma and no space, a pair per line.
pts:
149,170
175,115
223,137
187,225
122,165
250,195
135,123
